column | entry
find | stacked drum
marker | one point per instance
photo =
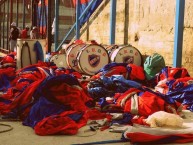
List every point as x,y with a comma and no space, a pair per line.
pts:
89,58
124,54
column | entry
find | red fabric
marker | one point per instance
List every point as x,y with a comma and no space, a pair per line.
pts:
39,64
118,70
7,59
24,34
56,125
45,1
139,120
140,137
67,95
148,103
62,124
81,2
137,72
94,114
10,72
171,72
66,71
118,97
21,98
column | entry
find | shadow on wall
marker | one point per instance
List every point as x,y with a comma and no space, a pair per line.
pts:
85,27
126,23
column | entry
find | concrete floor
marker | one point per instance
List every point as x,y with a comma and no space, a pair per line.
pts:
23,135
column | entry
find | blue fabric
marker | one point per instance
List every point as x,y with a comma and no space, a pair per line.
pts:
43,88
123,81
166,98
2,100
39,51
127,117
90,11
42,109
30,68
41,17
108,86
183,95
76,116
4,83
177,86
47,105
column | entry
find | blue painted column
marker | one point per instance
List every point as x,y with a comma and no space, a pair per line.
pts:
77,19
56,25
113,21
179,26
74,25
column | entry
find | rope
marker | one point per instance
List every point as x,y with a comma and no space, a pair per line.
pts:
92,131
6,130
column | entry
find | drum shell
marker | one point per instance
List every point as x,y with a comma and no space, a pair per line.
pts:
71,56
92,58
125,54
59,60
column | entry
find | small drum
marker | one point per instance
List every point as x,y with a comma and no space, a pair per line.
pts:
125,54
91,58
71,55
59,60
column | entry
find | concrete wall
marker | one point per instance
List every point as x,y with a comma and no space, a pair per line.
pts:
146,24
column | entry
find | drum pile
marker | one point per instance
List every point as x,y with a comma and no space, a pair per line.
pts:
88,58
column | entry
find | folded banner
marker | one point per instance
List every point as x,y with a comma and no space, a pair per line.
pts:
146,135
42,10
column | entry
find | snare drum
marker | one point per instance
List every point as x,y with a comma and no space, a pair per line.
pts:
59,60
126,54
71,55
91,58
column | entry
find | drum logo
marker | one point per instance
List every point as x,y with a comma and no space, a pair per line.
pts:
128,59
94,60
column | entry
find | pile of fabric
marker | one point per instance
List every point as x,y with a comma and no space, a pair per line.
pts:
56,100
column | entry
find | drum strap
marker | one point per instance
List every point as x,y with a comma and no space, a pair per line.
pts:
9,127
25,44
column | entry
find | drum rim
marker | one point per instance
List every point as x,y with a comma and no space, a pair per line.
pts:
59,55
78,57
67,55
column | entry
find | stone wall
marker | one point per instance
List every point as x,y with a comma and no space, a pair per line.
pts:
146,24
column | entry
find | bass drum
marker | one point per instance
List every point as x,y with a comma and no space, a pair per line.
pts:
71,55
91,58
66,47
126,54
59,60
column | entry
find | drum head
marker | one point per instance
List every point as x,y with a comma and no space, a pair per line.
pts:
71,56
127,54
92,58
59,60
